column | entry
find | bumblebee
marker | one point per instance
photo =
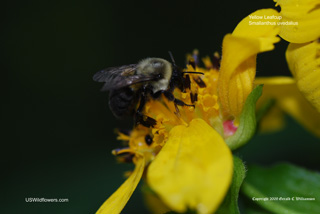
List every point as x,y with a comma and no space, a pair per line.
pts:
131,86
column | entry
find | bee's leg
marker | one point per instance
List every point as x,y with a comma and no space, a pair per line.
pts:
144,120
176,101
141,118
156,95
142,103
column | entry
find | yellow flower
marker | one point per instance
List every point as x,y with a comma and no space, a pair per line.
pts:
189,164
241,48
304,64
187,161
300,26
288,99
300,20
303,53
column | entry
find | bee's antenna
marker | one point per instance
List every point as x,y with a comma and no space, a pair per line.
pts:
172,59
192,72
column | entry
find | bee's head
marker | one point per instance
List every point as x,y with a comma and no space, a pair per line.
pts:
157,67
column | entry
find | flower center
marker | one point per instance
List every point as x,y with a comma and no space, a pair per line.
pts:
202,94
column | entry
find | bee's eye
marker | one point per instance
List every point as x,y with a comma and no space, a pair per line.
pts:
158,76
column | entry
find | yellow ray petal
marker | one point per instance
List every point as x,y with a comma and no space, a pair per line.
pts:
266,34
116,202
238,65
193,169
289,99
304,63
306,13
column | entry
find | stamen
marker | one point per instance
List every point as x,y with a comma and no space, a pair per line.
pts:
177,112
199,82
195,55
192,62
193,97
216,61
187,82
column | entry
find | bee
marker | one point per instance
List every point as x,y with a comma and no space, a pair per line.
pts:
131,86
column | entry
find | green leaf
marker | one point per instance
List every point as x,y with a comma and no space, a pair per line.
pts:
247,124
187,212
256,211
278,189
230,203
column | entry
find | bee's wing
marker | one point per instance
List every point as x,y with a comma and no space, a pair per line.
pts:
119,77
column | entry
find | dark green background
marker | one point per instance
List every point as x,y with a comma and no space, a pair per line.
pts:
57,129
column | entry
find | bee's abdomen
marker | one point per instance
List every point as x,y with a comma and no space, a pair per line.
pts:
122,102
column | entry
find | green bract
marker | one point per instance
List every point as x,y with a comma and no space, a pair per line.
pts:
230,203
247,124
